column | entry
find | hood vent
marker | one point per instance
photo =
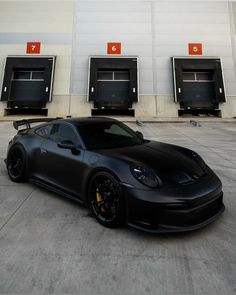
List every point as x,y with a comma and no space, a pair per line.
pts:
184,179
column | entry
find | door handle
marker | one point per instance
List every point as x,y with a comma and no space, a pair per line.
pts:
5,89
134,90
92,89
46,89
179,90
220,90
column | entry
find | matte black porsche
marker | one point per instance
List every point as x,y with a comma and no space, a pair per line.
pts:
119,175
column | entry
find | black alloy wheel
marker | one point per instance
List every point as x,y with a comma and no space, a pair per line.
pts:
105,199
16,163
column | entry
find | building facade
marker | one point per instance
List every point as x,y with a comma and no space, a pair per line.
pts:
150,32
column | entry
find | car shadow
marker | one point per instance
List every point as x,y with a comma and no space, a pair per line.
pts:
188,235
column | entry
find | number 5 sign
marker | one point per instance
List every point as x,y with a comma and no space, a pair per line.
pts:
195,48
33,47
113,48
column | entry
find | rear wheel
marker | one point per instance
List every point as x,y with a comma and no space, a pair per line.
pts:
16,163
105,199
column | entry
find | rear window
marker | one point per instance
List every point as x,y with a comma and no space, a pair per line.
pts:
44,131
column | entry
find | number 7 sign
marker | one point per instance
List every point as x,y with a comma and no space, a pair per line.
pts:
33,47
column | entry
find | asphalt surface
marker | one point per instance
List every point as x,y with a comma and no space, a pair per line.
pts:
49,245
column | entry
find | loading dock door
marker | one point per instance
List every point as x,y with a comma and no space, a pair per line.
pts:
198,82
113,82
27,81
113,87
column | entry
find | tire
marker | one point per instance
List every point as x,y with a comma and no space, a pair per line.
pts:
16,163
105,200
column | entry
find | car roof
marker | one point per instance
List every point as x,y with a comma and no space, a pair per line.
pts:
85,120
76,121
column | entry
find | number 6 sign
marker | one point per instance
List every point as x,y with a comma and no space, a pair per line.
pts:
113,48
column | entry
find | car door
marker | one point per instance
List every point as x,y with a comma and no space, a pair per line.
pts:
62,167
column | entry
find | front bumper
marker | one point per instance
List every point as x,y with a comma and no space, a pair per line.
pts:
181,209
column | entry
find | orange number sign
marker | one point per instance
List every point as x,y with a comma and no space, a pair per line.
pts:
113,48
33,47
195,48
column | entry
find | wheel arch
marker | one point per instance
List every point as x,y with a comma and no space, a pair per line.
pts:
28,143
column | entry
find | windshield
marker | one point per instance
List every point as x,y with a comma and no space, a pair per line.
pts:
106,135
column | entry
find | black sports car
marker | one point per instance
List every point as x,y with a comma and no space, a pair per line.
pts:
122,177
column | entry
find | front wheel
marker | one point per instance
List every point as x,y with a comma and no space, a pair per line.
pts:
16,163
105,200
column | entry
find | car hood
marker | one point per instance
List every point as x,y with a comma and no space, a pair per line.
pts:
164,159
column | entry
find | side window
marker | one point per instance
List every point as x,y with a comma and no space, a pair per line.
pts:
44,131
115,129
62,132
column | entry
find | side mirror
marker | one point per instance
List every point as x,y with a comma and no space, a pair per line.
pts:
140,134
69,145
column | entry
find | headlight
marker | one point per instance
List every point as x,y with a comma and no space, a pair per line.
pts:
146,176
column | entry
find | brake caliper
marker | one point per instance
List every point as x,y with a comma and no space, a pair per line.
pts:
99,199
98,196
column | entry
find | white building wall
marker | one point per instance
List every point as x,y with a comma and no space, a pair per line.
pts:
154,30
100,22
177,24
49,22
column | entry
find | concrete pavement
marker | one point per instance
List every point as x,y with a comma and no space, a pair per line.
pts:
49,245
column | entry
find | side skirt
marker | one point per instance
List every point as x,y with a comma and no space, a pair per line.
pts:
57,190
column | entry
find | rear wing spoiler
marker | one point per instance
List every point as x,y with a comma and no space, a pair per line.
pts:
28,122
